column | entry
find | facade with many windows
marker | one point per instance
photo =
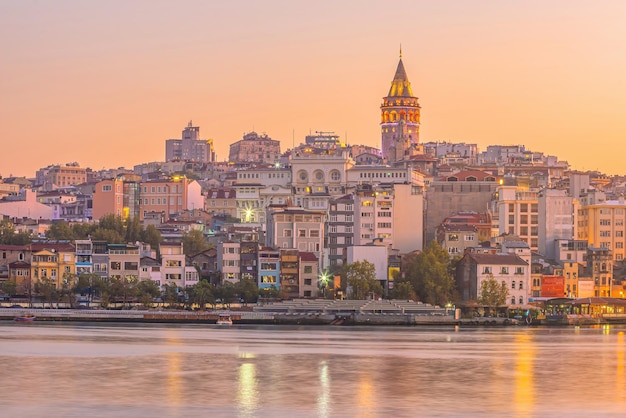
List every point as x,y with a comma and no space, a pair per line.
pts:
602,226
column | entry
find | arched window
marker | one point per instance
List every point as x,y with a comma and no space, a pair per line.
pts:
513,300
513,284
521,300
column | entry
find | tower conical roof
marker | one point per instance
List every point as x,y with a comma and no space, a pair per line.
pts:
400,86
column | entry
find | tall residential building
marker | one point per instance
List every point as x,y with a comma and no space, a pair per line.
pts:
392,214
255,148
57,176
119,196
400,119
190,147
602,225
296,228
518,214
170,196
556,220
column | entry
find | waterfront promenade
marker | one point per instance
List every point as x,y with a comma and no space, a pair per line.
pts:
295,312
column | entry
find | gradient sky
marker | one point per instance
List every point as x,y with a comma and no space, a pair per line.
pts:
106,83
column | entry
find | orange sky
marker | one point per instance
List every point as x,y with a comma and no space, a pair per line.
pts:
105,83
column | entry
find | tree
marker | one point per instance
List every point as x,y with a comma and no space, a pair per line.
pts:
133,229
9,287
360,278
194,242
125,288
248,291
68,284
430,275
113,223
403,290
152,236
201,294
170,295
46,289
10,237
60,230
109,235
493,294
147,291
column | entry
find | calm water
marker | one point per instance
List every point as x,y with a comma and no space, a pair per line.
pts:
80,370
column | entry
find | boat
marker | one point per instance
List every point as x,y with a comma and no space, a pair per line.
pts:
25,318
224,319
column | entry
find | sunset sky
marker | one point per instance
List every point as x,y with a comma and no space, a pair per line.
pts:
106,83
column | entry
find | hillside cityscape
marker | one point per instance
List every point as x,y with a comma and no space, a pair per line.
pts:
323,219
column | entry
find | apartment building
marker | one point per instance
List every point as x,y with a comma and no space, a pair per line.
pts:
518,214
511,270
602,226
295,228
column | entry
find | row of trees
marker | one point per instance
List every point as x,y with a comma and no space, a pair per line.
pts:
129,291
427,276
110,228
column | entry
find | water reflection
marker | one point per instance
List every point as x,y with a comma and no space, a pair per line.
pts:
247,394
189,371
323,400
524,375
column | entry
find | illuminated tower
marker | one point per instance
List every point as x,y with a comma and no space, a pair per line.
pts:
400,119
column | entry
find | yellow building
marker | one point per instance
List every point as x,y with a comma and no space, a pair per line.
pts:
602,225
52,261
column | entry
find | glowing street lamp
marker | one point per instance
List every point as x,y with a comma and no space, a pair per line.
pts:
323,281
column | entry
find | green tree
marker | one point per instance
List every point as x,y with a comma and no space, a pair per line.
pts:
46,290
109,235
113,223
360,278
227,292
9,236
133,229
170,295
68,284
403,290
124,288
151,236
101,289
147,291
60,230
201,294
9,287
82,230
194,242
248,291
430,275
493,294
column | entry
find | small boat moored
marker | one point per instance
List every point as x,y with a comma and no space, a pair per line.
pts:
25,318
224,319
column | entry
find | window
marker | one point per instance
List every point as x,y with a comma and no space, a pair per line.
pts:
286,233
302,233
314,233
504,270
307,282
308,269
513,300
521,300
469,237
487,270
116,265
521,285
106,188
384,224
519,270
513,284
453,237
384,214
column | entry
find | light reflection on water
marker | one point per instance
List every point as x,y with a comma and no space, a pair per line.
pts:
188,371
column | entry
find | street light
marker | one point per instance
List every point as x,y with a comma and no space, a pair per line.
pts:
323,281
